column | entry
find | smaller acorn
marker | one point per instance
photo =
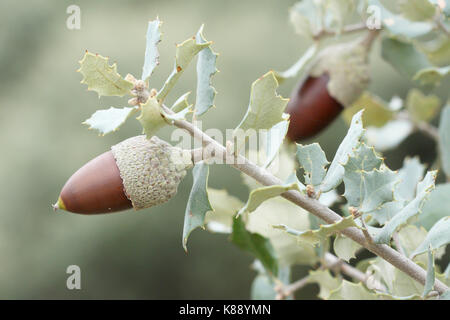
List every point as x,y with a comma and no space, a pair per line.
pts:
136,173
336,79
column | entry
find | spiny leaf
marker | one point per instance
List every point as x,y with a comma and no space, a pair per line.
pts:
300,66
345,248
364,159
151,118
444,139
256,244
274,140
101,77
206,68
387,211
313,160
410,210
422,107
314,237
376,111
198,204
181,115
429,283
439,235
151,50
109,120
258,196
266,106
185,52
336,171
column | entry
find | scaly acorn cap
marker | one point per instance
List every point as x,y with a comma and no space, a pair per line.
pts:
150,169
348,68
137,173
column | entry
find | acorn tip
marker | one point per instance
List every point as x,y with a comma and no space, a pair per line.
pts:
59,205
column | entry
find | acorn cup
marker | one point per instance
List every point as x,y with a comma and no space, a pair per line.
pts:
336,79
136,173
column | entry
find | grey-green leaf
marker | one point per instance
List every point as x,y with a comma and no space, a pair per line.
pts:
437,237
312,158
198,204
151,50
411,209
429,282
206,68
444,139
436,207
109,120
336,170
259,195
300,66
274,140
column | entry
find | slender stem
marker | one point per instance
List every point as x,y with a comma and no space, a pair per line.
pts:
313,206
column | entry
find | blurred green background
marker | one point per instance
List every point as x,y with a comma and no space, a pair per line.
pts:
42,104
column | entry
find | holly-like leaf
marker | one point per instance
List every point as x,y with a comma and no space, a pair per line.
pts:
259,195
274,140
389,136
411,209
151,49
367,184
312,158
256,244
300,66
151,118
101,77
439,235
400,27
436,207
409,238
206,68
109,120
417,10
198,204
336,171
422,107
351,291
263,286
345,248
181,115
327,283
266,106
314,237
387,211
185,52
225,208
376,111
444,139
429,283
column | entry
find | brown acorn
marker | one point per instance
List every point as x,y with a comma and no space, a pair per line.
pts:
337,78
136,173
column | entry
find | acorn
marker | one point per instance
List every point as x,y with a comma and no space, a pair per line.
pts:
336,79
136,173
